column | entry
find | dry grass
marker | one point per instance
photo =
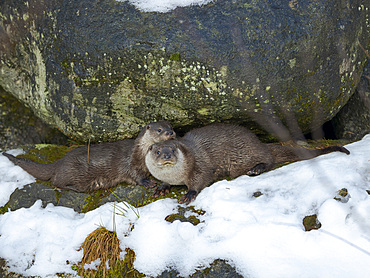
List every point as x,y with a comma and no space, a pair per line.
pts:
100,244
104,245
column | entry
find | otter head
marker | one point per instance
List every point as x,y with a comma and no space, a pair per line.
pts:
163,154
166,162
157,132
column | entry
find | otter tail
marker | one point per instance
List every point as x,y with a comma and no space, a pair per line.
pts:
289,154
40,171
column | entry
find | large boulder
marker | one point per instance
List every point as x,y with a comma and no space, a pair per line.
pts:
99,69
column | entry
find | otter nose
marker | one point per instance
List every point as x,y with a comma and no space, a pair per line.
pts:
167,156
169,133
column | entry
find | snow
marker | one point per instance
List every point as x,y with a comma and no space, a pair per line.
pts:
260,237
11,177
164,5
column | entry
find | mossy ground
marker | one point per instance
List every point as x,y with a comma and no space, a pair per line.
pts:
4,209
94,198
311,223
180,215
46,153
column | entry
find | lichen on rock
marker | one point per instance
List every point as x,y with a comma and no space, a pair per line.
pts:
98,71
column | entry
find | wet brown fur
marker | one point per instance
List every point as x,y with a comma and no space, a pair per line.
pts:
217,151
100,166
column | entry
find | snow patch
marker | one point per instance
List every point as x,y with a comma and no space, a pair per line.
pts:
260,236
164,6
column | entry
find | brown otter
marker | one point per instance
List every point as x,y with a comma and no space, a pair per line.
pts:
206,154
102,165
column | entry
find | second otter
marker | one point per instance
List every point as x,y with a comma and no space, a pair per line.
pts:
102,165
206,154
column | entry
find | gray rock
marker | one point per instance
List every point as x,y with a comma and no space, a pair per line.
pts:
99,69
19,126
134,195
80,202
29,194
353,121
217,269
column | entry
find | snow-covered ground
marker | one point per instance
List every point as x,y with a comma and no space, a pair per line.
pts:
261,237
164,5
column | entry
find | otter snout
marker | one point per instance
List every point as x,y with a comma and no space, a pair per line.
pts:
171,134
167,156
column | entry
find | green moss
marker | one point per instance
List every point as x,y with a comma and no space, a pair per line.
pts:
94,198
58,195
44,153
311,223
343,192
4,209
197,211
181,215
193,220
172,217
257,194
175,57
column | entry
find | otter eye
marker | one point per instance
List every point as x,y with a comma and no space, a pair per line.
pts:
158,152
159,130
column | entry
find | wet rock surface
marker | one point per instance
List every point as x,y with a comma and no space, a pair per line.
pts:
99,69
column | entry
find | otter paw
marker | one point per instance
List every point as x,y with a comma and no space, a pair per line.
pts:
188,197
256,170
148,183
161,190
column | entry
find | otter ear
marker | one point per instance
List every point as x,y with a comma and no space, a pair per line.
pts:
151,147
148,127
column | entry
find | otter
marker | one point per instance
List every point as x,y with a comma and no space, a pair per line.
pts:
209,153
101,166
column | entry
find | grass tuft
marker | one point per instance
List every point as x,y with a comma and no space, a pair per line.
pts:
100,245
101,257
